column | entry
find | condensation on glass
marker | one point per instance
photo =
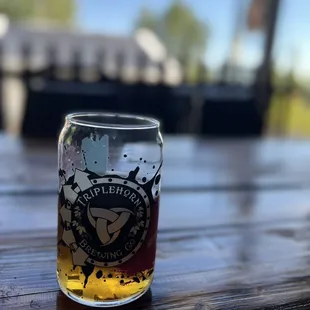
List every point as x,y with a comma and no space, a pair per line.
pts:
109,189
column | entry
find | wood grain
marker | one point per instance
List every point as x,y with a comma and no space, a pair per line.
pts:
178,211
201,270
234,227
190,164
217,252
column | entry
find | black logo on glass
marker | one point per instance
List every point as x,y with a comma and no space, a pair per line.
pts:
105,219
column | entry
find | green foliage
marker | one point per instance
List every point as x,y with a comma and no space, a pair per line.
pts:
289,115
147,20
187,35
16,9
184,35
61,11
289,112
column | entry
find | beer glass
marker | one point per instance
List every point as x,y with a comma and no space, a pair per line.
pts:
109,189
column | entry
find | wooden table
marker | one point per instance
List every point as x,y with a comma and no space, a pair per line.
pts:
234,228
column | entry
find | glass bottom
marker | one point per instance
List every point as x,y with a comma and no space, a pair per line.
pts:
103,304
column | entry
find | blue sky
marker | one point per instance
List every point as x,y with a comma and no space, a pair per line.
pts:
291,47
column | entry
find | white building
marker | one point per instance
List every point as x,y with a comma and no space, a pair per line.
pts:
157,65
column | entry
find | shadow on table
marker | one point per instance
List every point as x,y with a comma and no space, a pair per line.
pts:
144,303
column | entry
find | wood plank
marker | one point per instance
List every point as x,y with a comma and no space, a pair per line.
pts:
186,275
201,301
178,211
225,250
190,164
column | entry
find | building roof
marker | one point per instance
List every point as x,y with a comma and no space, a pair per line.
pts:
131,53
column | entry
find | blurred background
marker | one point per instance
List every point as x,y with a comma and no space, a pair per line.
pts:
223,68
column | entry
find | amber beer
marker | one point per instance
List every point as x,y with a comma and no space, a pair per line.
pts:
98,283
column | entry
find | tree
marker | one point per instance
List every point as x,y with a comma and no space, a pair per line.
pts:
184,35
285,79
147,20
61,11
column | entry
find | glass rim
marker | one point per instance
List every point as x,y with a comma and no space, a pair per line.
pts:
138,121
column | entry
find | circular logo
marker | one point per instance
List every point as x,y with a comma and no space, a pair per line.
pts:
108,222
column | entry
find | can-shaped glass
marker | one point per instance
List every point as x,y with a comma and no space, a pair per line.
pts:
108,206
